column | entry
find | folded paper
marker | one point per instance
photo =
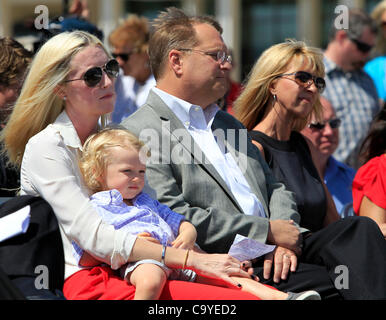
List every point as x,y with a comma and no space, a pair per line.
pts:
244,248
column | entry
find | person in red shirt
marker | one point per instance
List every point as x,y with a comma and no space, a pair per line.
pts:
369,185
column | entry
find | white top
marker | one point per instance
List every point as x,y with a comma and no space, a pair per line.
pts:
198,122
143,91
50,169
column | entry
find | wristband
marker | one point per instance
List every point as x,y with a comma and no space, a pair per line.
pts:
186,259
163,255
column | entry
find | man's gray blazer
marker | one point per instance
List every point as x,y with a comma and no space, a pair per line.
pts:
184,180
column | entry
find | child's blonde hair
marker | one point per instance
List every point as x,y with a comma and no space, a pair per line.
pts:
96,154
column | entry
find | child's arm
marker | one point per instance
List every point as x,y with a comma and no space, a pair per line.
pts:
187,235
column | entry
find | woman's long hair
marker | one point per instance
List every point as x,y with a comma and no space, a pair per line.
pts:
38,105
252,103
374,144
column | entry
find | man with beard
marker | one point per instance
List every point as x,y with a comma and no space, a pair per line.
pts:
349,89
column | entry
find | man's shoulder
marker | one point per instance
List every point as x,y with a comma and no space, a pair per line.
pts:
140,118
335,165
333,71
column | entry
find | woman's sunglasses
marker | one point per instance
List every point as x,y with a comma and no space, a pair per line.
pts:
305,79
334,123
94,75
124,56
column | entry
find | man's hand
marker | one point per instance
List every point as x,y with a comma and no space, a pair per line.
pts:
285,234
283,260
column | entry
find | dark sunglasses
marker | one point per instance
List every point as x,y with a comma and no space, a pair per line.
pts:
334,123
124,56
94,75
305,79
361,46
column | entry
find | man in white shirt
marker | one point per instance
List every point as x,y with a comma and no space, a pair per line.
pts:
204,166
186,119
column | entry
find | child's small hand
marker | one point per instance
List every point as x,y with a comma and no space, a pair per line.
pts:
147,236
182,243
186,237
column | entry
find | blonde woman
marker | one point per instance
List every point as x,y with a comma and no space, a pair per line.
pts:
69,87
277,102
280,95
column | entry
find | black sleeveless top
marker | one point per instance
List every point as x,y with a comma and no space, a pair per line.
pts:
291,164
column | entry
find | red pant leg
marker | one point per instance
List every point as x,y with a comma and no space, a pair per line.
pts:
101,283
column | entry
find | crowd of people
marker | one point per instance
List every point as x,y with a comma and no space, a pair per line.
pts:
152,182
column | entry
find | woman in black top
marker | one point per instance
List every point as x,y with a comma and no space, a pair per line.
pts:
276,103
292,164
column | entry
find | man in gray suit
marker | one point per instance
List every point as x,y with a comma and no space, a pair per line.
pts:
203,164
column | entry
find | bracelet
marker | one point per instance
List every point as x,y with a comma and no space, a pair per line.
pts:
186,259
163,255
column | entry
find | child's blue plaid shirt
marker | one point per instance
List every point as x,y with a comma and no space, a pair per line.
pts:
146,215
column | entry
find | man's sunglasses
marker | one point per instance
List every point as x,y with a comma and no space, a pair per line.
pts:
94,75
124,56
334,123
304,79
362,46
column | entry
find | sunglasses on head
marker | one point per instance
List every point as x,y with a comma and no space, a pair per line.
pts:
305,79
94,75
362,46
334,123
124,56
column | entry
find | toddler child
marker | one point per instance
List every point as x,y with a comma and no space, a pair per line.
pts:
113,167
